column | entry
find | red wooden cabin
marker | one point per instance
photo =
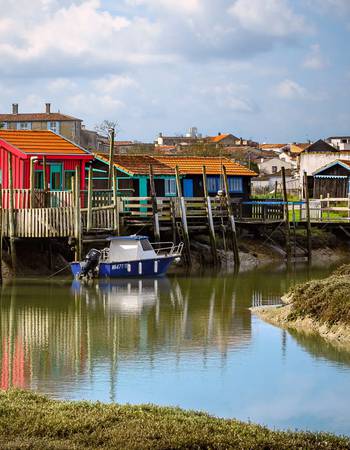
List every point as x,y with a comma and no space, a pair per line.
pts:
62,158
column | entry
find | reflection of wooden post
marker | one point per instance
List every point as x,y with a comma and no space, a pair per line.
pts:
77,215
231,220
183,218
31,182
11,214
89,201
210,218
308,218
44,180
154,205
286,214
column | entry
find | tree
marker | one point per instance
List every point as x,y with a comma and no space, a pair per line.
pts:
104,127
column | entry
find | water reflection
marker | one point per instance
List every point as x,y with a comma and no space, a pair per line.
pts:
184,341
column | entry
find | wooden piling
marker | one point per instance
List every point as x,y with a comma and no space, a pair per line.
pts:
210,218
31,182
286,215
173,219
44,181
78,237
115,203
183,216
231,219
308,218
11,215
155,214
89,201
111,158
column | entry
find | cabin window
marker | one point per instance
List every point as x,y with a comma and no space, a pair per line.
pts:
39,179
24,126
68,177
53,126
213,183
170,186
274,169
146,246
235,185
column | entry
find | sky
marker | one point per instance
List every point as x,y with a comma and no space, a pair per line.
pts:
269,70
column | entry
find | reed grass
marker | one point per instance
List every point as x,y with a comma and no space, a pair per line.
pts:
32,421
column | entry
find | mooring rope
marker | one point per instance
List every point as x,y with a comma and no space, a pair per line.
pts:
61,270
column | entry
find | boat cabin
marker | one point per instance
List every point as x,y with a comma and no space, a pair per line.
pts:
130,248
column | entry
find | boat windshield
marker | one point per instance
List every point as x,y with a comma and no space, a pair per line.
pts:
146,246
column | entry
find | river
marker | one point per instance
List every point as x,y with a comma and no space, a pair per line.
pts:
181,341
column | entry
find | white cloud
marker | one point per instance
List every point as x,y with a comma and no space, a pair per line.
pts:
290,90
315,60
114,84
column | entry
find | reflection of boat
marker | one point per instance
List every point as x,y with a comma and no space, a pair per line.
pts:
128,296
128,256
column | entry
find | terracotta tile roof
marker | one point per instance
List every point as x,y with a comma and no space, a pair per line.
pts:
193,165
298,148
37,117
269,146
40,142
219,138
137,164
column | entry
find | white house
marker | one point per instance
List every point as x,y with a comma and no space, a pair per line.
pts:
339,142
273,165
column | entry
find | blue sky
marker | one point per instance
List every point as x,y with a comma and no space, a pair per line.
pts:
271,70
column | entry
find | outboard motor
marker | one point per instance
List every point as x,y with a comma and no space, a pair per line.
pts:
90,262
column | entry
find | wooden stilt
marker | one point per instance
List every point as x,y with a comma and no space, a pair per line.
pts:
183,216
173,219
31,183
231,219
155,214
286,215
308,218
44,180
89,201
116,224
78,237
11,215
210,218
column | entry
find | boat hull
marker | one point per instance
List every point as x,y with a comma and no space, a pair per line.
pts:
139,268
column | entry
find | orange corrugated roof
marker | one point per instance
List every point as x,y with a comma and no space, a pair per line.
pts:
40,142
193,165
219,137
137,164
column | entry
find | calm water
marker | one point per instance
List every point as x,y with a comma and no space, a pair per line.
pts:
189,342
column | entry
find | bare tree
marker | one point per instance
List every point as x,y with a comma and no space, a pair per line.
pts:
104,127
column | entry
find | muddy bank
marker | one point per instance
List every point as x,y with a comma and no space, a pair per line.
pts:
318,306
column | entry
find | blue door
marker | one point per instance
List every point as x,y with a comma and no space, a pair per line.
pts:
188,187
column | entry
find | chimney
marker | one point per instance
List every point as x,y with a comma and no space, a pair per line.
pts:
219,133
14,108
48,108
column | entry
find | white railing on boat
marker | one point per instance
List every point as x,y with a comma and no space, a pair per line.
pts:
167,248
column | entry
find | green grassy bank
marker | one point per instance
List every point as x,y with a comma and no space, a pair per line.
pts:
31,421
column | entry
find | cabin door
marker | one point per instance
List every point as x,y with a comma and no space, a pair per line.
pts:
56,177
188,187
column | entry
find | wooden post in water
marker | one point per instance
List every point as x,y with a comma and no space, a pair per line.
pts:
115,202
231,219
11,214
78,237
183,216
286,214
210,218
308,218
44,180
111,157
31,182
89,201
173,219
154,205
